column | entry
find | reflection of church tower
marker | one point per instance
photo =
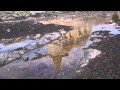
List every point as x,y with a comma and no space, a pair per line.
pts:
57,61
57,52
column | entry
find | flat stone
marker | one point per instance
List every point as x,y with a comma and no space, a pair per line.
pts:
37,69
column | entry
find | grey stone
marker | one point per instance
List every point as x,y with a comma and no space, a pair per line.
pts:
91,53
37,69
2,62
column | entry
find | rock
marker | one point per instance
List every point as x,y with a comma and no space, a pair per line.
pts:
17,54
4,55
2,61
28,55
28,37
25,58
88,55
36,69
91,53
11,55
30,47
48,38
62,32
37,36
10,59
97,40
34,12
21,52
43,41
35,53
4,14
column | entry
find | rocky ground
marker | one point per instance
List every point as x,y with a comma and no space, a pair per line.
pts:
97,60
106,65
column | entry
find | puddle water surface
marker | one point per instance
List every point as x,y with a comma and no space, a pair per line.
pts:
15,45
68,55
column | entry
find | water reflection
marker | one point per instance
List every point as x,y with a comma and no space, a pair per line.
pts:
65,54
57,51
111,29
68,57
15,45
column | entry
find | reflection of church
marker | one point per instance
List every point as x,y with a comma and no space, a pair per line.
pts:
57,51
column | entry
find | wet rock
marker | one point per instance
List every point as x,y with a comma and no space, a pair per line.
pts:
17,54
6,41
4,55
93,35
88,55
48,38
35,12
97,33
37,69
92,45
43,41
62,32
2,62
103,33
8,30
10,59
25,58
11,55
96,39
91,53
34,54
29,55
37,36
21,52
5,14
53,36
14,55
30,47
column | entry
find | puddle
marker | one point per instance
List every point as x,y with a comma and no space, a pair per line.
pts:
16,45
67,55
35,54
56,51
113,30
1,45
